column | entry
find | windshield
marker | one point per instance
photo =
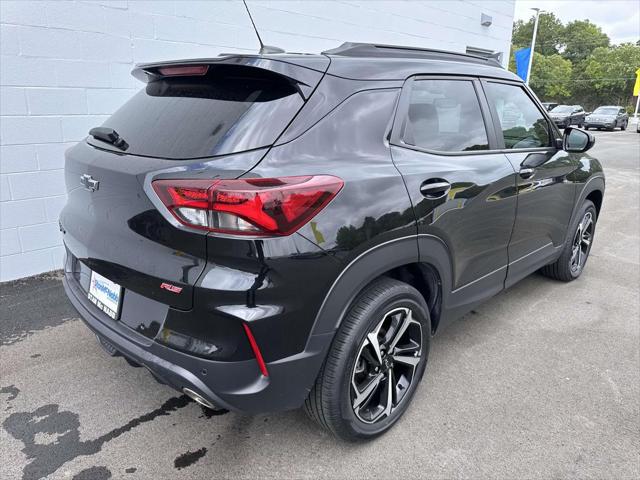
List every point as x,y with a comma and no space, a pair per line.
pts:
563,109
606,111
230,109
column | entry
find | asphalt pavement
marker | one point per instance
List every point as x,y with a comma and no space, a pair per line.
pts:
542,381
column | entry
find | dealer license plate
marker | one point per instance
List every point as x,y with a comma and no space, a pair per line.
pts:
105,294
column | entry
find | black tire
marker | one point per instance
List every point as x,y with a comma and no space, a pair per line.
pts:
623,127
586,128
564,269
331,401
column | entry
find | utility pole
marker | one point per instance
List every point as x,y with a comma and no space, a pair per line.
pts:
533,43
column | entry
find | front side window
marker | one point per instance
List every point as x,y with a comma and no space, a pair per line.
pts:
445,116
522,124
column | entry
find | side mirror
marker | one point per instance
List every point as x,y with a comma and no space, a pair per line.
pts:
576,140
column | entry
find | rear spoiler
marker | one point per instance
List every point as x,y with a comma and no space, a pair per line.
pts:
305,71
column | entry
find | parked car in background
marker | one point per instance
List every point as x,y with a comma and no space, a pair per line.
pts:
566,115
608,117
255,269
549,105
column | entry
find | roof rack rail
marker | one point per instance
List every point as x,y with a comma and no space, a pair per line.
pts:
354,49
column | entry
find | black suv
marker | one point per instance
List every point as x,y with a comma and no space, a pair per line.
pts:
567,115
263,232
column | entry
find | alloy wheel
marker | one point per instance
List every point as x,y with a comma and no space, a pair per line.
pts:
386,365
581,243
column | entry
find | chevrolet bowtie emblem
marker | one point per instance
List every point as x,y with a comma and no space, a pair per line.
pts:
89,183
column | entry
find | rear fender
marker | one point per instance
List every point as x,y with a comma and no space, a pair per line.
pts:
373,263
596,182
358,273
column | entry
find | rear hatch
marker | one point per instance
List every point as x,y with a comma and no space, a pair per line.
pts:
214,121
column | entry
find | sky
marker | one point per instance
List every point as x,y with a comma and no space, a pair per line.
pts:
620,19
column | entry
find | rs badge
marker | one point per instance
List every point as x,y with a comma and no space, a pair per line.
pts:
171,288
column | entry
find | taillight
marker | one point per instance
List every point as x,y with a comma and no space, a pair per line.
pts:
248,206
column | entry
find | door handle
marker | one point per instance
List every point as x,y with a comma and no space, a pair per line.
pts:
527,172
435,188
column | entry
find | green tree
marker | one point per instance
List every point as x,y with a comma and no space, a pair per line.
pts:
607,76
551,77
549,38
580,38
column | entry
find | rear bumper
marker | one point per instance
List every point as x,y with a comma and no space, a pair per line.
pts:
235,385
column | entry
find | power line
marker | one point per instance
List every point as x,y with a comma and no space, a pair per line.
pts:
577,39
565,40
580,42
586,80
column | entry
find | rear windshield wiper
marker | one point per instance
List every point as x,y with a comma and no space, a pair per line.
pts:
109,135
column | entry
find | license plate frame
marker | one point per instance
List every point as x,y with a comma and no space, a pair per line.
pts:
105,294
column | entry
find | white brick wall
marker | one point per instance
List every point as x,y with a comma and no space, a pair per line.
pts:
65,66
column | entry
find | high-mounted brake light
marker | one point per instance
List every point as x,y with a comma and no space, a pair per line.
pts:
249,206
183,70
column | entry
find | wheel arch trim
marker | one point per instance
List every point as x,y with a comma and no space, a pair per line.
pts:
596,182
372,263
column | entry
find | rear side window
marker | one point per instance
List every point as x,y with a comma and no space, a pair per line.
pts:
230,109
522,124
445,116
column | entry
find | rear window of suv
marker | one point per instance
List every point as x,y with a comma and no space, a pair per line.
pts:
230,109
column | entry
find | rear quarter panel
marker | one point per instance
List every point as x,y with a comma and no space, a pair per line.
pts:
372,208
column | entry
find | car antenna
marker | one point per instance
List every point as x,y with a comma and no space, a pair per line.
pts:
263,48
